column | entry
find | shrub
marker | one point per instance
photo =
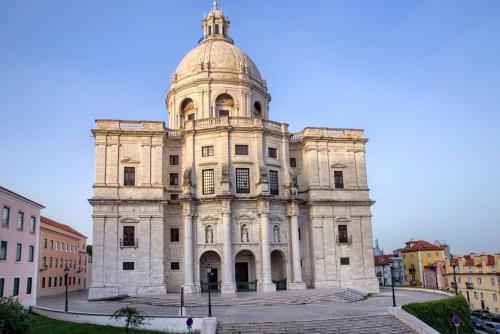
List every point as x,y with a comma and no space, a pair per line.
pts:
133,317
438,314
14,319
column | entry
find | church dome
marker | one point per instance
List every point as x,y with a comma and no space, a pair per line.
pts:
217,55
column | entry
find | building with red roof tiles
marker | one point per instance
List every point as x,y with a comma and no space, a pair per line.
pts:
418,254
477,277
61,246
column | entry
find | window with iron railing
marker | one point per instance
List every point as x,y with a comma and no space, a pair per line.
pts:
129,239
273,183
242,180
343,238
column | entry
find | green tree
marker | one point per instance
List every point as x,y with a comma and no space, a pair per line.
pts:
133,317
14,318
89,250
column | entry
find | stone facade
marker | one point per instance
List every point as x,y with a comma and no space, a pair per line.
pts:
226,186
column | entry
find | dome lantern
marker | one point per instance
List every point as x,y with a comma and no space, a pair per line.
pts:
215,25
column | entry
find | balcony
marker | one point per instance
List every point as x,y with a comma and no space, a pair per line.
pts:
469,285
344,241
134,243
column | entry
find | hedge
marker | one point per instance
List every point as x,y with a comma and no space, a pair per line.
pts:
438,314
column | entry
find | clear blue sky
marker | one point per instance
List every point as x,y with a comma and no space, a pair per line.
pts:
422,77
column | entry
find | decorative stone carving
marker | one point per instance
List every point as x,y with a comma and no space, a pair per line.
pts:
276,233
130,161
244,233
209,234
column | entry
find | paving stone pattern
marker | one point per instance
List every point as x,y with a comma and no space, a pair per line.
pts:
362,325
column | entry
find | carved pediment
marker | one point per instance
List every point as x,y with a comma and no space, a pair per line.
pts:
129,220
339,165
209,219
343,220
245,217
129,160
275,218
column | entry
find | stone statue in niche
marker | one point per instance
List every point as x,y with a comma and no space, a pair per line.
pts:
209,235
244,233
276,233
293,185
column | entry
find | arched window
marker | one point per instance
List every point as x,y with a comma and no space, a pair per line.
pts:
224,105
216,32
257,109
210,30
187,110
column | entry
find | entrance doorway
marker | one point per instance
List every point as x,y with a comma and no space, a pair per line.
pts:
212,258
278,269
244,271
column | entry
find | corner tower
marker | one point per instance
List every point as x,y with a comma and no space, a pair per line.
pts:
216,79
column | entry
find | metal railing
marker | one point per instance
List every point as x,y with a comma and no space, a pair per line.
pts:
246,286
280,285
344,241
129,243
229,39
214,287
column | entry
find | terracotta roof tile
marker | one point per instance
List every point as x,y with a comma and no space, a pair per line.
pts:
421,245
60,226
382,260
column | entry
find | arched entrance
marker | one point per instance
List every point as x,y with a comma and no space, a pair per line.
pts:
278,269
212,258
244,271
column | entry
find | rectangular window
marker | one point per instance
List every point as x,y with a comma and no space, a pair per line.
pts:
3,250
273,183
44,262
492,280
45,243
19,249
31,253
129,176
293,162
190,117
56,264
51,244
242,180
207,151
33,224
50,262
479,281
343,238
20,220
60,280
128,236
43,282
2,284
272,152
128,265
241,149
223,113
15,291
55,282
344,261
174,160
57,245
208,182
174,235
5,216
339,179
174,197
174,266
174,179
50,282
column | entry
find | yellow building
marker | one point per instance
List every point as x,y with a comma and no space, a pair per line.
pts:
417,255
477,278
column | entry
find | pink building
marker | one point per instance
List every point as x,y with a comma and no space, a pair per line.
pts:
19,234
61,247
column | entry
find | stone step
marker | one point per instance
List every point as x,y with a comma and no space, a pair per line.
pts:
369,324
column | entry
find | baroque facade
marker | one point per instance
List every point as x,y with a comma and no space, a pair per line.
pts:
224,185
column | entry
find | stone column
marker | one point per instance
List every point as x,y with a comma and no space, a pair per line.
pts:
297,282
228,284
189,287
266,285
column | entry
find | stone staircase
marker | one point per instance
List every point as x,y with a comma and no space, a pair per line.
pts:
369,324
290,297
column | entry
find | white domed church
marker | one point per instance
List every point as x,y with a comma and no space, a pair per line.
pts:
226,187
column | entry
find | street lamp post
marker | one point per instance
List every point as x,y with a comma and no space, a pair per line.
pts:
209,274
66,271
391,264
454,266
